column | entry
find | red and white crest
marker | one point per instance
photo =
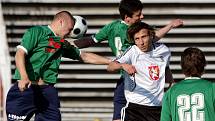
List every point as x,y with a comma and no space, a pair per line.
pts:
154,72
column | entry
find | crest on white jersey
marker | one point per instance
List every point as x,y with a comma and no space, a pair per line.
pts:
154,72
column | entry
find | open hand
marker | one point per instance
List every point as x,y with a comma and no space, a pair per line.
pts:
176,23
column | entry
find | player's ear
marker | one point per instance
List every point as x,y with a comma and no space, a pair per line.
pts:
152,34
127,18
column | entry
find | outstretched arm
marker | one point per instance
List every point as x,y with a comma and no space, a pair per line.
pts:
163,31
92,58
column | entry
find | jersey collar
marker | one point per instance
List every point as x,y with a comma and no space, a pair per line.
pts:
191,78
124,23
150,53
51,30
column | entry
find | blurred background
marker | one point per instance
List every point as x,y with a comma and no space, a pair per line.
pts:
85,90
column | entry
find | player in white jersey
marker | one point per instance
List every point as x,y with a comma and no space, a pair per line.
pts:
145,66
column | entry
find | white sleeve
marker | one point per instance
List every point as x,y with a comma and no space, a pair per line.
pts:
23,48
162,50
166,53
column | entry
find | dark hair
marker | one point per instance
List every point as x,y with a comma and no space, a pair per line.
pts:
136,27
193,62
128,7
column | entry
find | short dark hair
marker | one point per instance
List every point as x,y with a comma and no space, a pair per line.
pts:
136,27
128,7
193,62
63,13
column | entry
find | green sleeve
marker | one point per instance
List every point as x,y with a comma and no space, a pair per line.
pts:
30,39
103,33
166,112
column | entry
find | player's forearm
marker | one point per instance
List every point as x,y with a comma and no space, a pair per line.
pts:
162,32
20,63
84,42
94,58
114,66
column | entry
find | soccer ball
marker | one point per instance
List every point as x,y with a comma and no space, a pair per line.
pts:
80,27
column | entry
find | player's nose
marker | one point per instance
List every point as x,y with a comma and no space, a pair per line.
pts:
141,16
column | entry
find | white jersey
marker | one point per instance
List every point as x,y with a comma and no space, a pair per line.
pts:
150,76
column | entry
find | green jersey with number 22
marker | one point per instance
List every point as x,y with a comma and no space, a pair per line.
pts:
189,100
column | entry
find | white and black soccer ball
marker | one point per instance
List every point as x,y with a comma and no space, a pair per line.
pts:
80,27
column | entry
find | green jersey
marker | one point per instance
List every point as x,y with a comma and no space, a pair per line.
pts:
116,34
189,100
44,51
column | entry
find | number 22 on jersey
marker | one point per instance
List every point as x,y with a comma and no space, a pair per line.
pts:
191,107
